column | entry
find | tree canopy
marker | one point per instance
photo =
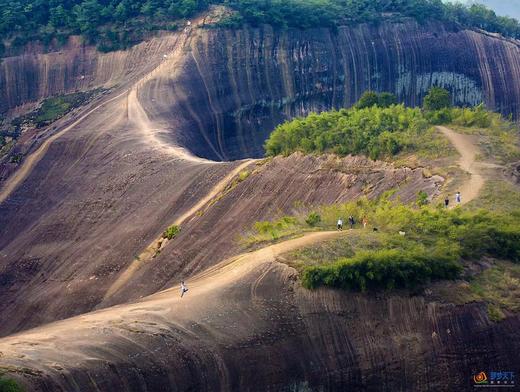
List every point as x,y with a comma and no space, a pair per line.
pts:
437,99
115,24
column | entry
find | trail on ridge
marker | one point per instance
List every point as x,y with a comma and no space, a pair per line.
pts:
136,115
157,243
81,333
468,150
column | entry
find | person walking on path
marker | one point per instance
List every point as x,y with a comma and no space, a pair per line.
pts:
351,222
340,224
446,202
183,288
458,198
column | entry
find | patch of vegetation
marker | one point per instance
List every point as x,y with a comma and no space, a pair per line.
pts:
54,108
499,138
422,198
378,128
373,131
497,195
243,175
171,232
9,385
50,110
267,231
117,24
385,269
313,219
500,285
371,98
437,99
435,240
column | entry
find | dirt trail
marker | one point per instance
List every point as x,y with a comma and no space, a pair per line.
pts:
74,333
136,115
158,243
468,150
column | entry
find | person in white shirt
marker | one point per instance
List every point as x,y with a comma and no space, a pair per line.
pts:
183,288
340,224
458,197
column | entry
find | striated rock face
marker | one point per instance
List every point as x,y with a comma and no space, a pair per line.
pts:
233,87
237,86
34,75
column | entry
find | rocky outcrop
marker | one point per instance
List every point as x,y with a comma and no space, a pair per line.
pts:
94,230
35,75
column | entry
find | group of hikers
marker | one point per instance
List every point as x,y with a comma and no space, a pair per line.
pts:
364,221
352,222
458,199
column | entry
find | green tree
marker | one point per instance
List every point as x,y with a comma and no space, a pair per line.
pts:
367,100
386,100
437,98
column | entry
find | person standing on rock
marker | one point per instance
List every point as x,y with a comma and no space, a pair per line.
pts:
446,201
340,224
183,288
351,221
458,198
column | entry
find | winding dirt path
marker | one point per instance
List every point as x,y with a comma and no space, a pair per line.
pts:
79,334
151,250
468,150
136,115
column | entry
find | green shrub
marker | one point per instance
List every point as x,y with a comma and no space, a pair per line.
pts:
171,232
370,98
474,117
438,117
373,131
384,269
422,198
437,99
313,219
243,175
9,385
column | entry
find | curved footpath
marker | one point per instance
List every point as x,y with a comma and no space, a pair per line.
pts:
468,150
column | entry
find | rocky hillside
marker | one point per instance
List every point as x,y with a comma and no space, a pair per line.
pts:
82,216
232,87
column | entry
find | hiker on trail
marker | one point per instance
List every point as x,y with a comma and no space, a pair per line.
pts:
340,224
183,288
446,201
351,221
365,222
458,198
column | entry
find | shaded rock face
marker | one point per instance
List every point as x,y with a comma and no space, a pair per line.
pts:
237,86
